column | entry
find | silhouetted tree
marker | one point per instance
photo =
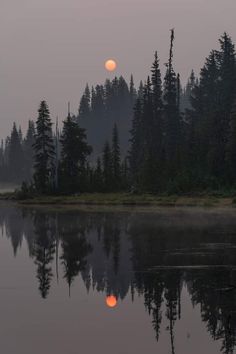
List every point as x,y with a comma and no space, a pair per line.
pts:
44,151
74,153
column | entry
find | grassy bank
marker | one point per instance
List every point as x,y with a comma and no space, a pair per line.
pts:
126,199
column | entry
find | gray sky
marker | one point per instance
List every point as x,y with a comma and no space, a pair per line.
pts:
51,48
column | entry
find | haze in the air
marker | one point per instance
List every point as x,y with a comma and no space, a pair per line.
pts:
51,48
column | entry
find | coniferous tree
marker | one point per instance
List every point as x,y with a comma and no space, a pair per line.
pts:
98,177
147,168
74,153
2,164
156,148
132,91
171,116
44,151
28,150
107,167
116,161
136,141
231,149
84,108
15,157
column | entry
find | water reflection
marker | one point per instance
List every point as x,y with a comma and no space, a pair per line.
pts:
153,256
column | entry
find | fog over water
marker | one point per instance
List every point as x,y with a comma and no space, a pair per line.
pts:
51,48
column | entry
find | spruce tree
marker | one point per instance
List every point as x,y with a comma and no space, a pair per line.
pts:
132,91
116,160
136,145
148,159
44,151
171,116
107,168
28,150
74,152
156,126
15,157
98,177
231,149
84,108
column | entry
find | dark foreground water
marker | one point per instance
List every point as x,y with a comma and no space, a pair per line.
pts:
117,282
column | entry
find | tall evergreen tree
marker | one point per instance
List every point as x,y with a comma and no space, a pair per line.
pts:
156,126
73,155
44,151
171,112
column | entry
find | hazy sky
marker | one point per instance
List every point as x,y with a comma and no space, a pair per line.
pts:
51,48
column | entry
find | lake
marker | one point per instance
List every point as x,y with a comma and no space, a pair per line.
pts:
119,281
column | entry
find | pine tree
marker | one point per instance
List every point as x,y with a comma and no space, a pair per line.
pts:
28,150
74,153
98,177
107,168
15,157
132,91
136,143
227,93
84,108
156,126
231,149
44,151
186,96
171,113
116,160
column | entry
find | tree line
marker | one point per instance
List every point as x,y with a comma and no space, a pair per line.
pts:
156,138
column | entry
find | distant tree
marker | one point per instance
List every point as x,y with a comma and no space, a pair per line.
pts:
116,160
98,177
132,91
231,149
171,116
28,150
84,108
15,157
107,167
44,151
136,143
185,102
156,127
74,153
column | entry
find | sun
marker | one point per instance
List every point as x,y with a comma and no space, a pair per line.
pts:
110,65
111,301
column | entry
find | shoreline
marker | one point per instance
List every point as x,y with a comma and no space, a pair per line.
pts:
125,200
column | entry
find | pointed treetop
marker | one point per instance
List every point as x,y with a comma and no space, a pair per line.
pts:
69,115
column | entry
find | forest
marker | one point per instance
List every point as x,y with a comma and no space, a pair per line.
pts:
159,137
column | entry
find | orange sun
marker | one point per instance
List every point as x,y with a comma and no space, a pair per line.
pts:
110,65
111,301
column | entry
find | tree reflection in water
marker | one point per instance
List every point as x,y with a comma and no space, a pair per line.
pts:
153,256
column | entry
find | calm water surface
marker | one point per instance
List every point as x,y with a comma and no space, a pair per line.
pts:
170,275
